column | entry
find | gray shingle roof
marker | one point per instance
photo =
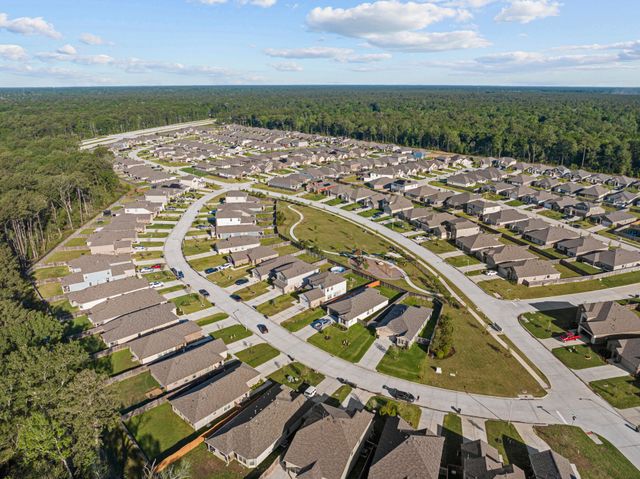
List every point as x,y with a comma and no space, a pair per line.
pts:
164,340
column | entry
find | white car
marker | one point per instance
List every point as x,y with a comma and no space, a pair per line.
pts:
491,272
156,284
139,248
224,266
146,270
310,392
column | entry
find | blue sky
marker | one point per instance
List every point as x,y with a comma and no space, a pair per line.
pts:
202,42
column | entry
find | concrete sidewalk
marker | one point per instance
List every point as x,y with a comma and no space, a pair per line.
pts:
473,429
263,298
375,353
600,372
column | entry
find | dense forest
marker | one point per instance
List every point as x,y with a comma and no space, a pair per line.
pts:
54,410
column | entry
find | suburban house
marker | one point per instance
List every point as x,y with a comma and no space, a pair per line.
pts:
626,352
137,323
580,246
482,207
90,270
613,259
180,369
224,232
421,192
236,196
594,193
142,207
434,224
113,308
458,201
506,254
461,227
549,236
325,286
568,188
291,276
395,204
621,199
328,443
608,320
476,243
259,429
615,219
529,271
207,401
151,347
503,217
236,244
291,182
551,465
253,256
402,324
480,460
404,452
530,224
585,209
348,311
89,297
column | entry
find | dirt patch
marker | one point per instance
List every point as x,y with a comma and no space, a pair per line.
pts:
381,269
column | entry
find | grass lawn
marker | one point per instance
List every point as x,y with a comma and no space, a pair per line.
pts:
276,305
87,231
506,439
204,465
509,290
144,255
133,390
417,301
116,363
76,242
51,272
259,354
158,430
299,321
351,207
621,392
438,246
159,226
190,303
355,280
49,290
462,260
214,318
314,196
474,349
229,276
350,344
153,235
554,215
594,461
368,213
334,202
63,308
390,407
207,262
151,244
578,357
586,268
262,186
287,249
387,292
299,372
514,203
452,432
341,394
546,324
270,241
64,256
399,226
253,291
231,334
163,275
196,246
172,289
78,324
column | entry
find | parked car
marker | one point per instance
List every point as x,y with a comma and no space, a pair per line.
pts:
224,266
156,266
204,292
263,328
235,297
180,274
402,395
491,272
156,284
210,270
241,281
146,270
139,248
310,391
569,336
496,326
347,382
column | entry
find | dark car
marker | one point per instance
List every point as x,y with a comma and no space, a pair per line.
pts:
241,281
203,292
263,329
236,297
496,327
180,274
347,382
402,395
210,270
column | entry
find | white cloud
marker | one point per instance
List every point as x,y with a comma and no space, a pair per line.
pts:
525,11
67,50
385,16
91,39
394,25
287,67
429,41
29,26
212,2
342,55
12,52
259,3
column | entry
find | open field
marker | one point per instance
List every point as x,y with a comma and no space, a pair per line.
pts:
350,344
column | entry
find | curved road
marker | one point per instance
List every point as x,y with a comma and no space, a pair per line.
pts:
568,397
